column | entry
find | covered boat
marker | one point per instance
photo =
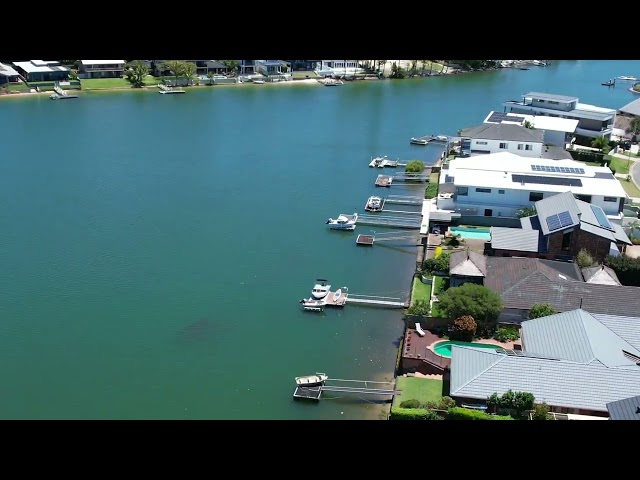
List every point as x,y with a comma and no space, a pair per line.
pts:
311,380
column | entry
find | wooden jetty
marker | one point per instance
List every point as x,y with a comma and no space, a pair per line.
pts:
384,181
366,240
375,301
358,387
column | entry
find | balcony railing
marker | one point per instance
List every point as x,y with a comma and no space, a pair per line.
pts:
102,68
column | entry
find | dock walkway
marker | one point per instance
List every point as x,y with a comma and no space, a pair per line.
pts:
364,387
412,222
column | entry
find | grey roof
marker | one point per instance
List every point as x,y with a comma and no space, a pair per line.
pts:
503,131
600,274
625,409
577,336
503,238
632,108
566,295
467,263
503,273
549,96
478,373
627,328
555,153
555,204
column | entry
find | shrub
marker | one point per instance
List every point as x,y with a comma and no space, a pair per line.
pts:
584,259
414,166
439,264
454,241
507,334
445,403
540,412
464,328
478,301
517,402
420,308
627,269
459,413
413,414
541,310
411,403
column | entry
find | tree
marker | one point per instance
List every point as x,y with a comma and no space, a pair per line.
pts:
232,65
414,166
541,310
436,265
584,259
635,126
527,124
189,71
423,63
420,308
478,301
627,269
137,73
540,412
176,67
464,328
601,144
526,212
210,76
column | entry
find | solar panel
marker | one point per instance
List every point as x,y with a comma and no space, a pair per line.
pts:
565,219
601,217
540,180
553,222
553,168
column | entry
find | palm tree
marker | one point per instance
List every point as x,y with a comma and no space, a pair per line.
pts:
381,64
189,71
424,65
176,67
527,124
210,75
232,65
601,144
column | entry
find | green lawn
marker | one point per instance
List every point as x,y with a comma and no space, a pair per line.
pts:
440,285
416,388
620,165
630,188
421,291
99,83
305,74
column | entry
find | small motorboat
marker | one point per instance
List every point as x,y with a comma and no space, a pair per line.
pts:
419,141
378,162
320,289
441,138
343,222
374,204
311,380
56,96
336,295
169,91
627,79
258,82
610,83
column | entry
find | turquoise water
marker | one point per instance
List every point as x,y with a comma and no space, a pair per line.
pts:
147,267
480,234
444,348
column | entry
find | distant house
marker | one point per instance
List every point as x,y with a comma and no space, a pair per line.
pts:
328,68
626,115
523,282
577,362
631,109
625,409
42,71
557,132
101,68
271,67
303,65
562,226
501,137
203,67
8,74
593,121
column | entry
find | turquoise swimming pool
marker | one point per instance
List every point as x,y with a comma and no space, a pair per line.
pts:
444,348
475,233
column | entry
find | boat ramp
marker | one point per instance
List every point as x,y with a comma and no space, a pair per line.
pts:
338,385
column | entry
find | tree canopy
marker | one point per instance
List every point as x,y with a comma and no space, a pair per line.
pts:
541,310
478,301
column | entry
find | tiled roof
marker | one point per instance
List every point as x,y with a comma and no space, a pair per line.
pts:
467,263
600,274
503,131
503,273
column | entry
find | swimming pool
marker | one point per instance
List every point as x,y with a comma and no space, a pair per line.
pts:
444,348
475,233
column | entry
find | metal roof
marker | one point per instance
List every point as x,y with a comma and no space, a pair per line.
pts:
550,96
627,328
503,238
478,373
632,108
555,204
38,66
625,409
503,131
7,71
577,336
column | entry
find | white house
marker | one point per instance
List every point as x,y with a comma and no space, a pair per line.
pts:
592,121
8,74
557,131
327,68
501,137
42,70
500,184
101,68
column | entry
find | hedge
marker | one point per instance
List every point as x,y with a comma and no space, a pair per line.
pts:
458,413
413,414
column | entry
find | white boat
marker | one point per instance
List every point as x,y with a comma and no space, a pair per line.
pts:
441,138
170,91
627,79
343,222
374,204
378,162
539,63
311,380
419,141
336,295
320,289
330,82
259,82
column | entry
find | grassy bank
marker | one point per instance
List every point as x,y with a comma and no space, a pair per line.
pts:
415,388
114,83
420,291
630,187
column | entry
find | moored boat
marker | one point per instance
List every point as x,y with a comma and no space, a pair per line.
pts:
419,141
320,289
311,380
374,204
343,222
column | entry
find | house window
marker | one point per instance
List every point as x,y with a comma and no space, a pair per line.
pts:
553,103
610,199
481,143
535,196
504,145
520,146
528,147
483,190
501,192
584,198
462,191
566,241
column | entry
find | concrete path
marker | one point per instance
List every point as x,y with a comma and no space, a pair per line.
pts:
635,174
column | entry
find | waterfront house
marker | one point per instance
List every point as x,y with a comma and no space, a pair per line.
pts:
42,71
562,226
631,109
501,184
328,68
303,65
203,67
557,132
626,115
593,121
577,362
101,68
271,68
8,74
625,409
501,137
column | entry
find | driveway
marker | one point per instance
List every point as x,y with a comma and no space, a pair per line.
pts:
635,173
